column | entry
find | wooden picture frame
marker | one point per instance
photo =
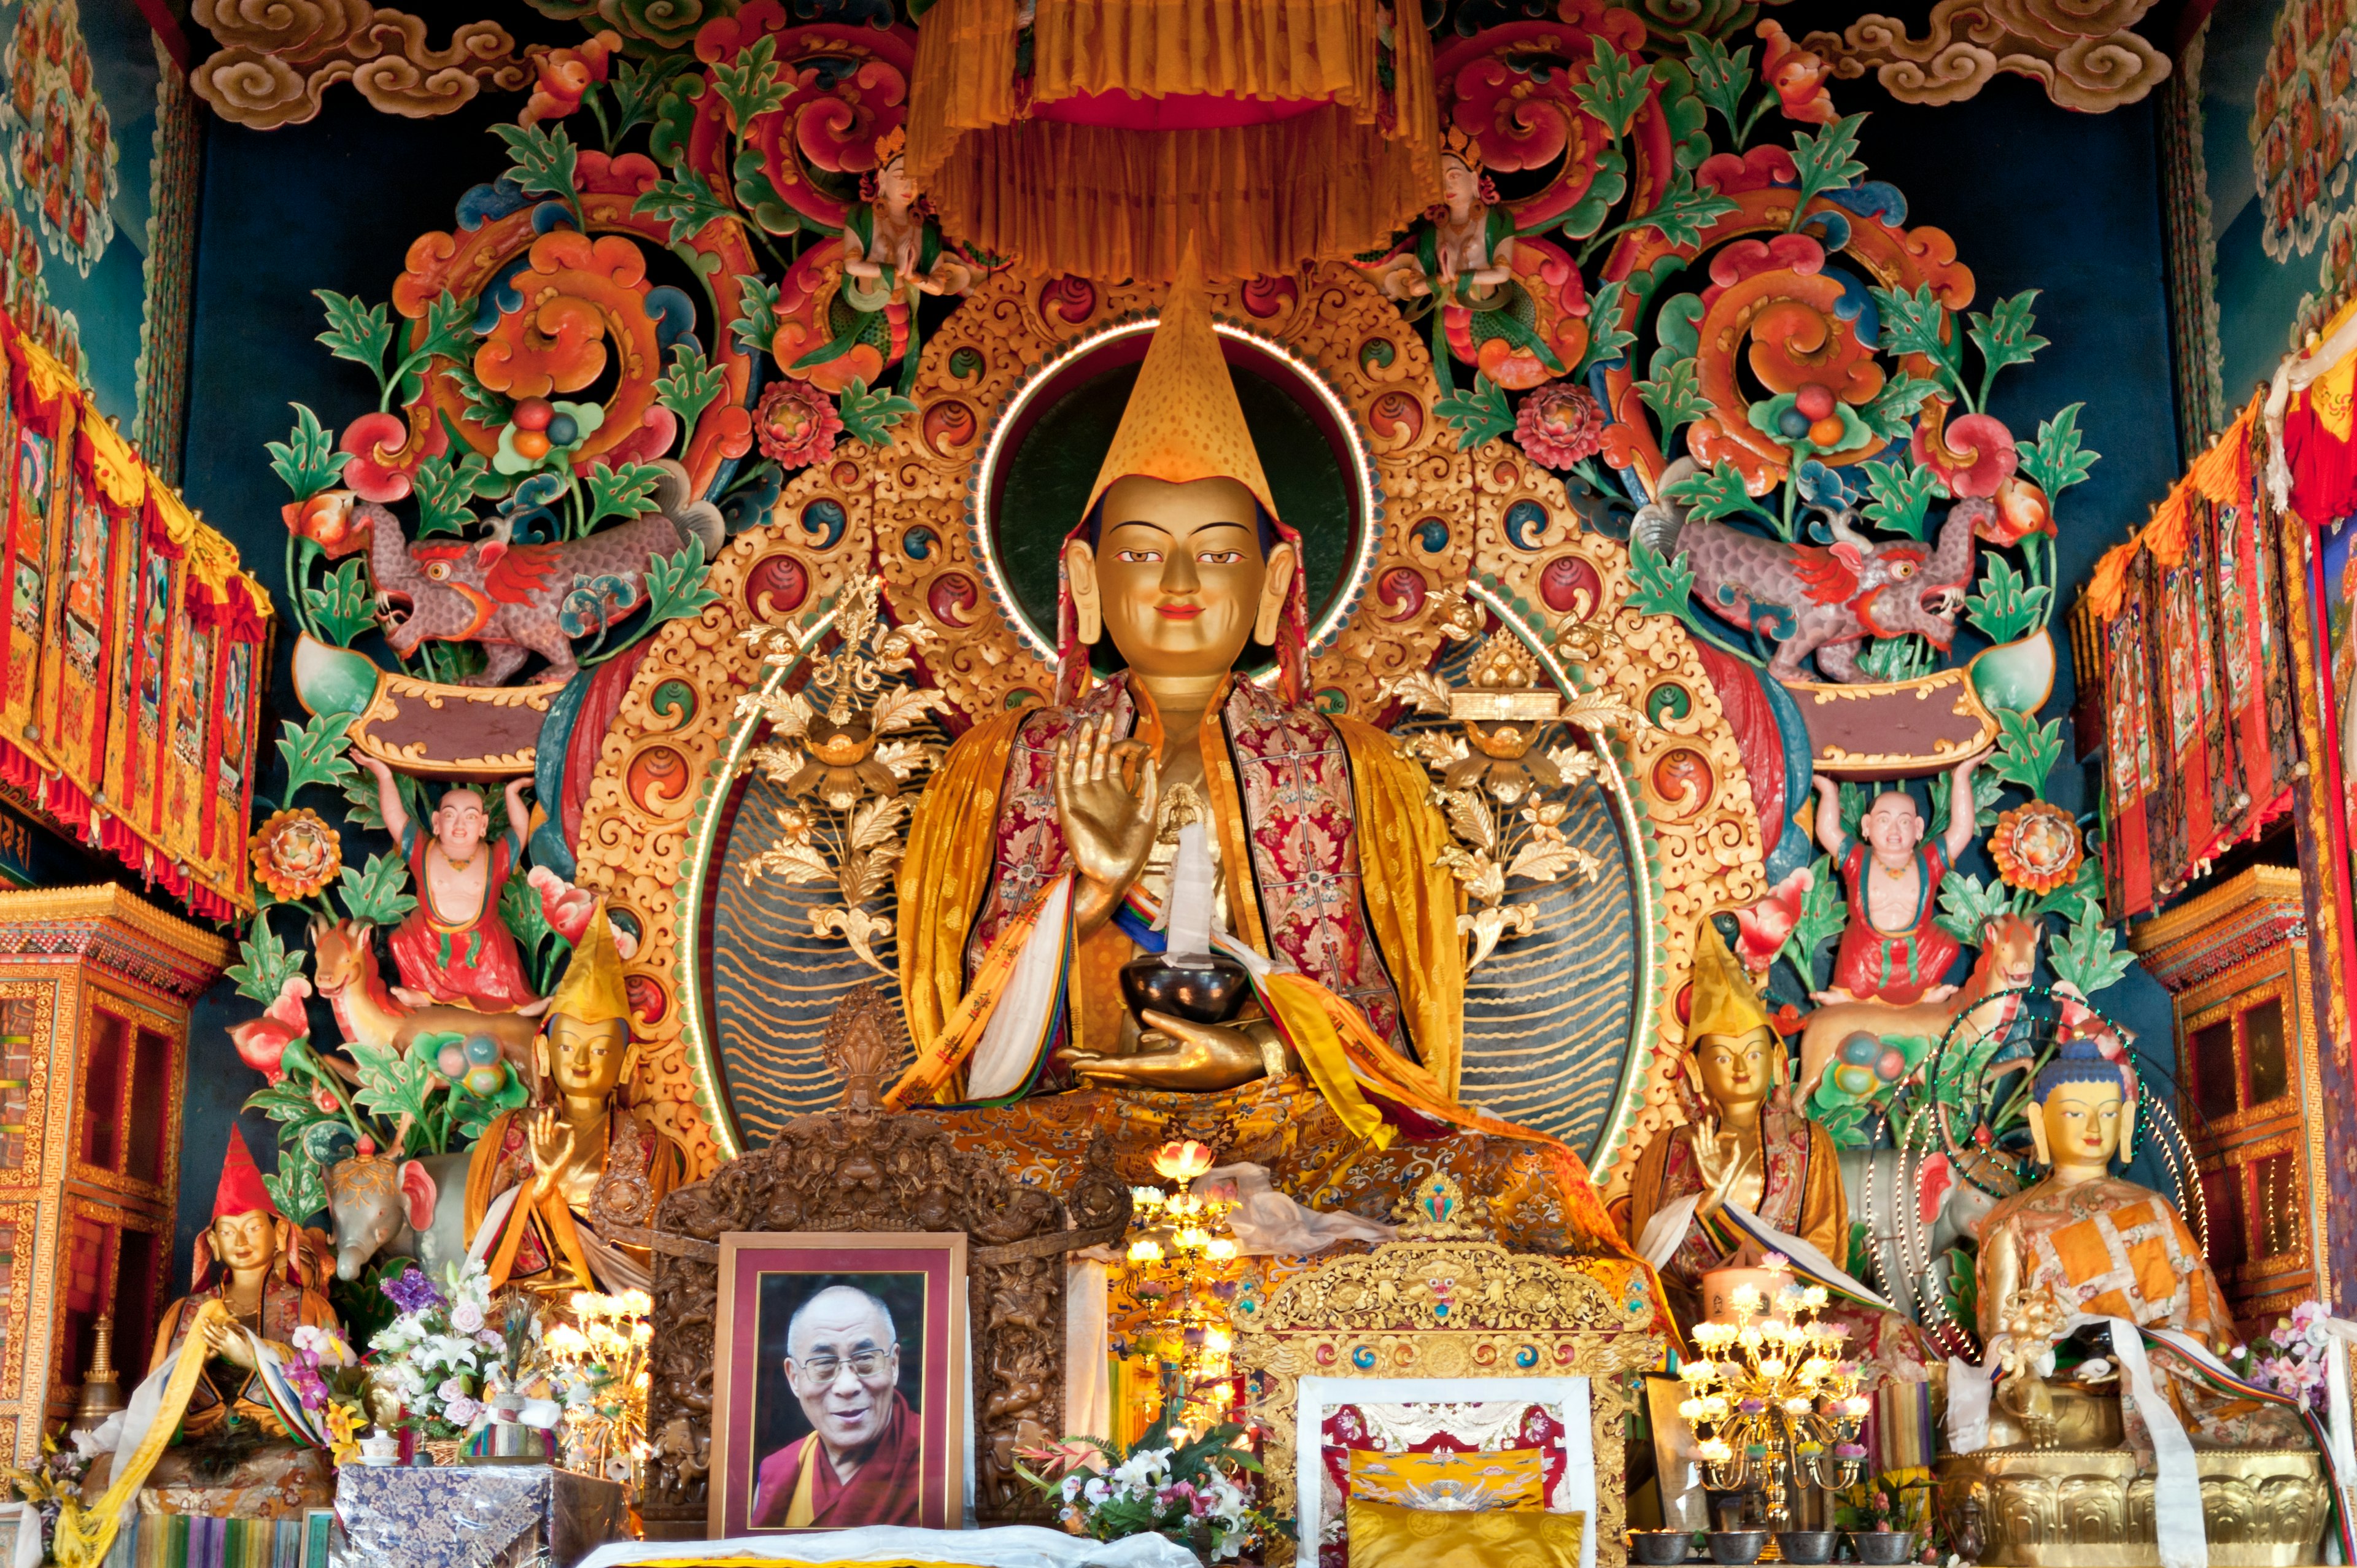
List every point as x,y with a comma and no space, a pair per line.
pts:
770,1442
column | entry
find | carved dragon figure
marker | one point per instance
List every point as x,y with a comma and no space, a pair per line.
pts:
1824,599
520,599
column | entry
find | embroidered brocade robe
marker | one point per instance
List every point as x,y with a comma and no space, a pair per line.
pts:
1330,854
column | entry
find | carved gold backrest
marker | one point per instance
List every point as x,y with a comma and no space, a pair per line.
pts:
1445,1300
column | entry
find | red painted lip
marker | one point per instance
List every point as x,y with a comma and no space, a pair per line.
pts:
1179,612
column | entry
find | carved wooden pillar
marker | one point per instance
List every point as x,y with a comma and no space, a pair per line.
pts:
95,988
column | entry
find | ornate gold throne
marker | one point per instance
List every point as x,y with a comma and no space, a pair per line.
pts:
1444,1300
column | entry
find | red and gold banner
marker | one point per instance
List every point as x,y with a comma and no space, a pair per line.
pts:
130,648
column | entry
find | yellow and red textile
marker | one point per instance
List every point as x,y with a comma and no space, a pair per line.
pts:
130,648
1279,131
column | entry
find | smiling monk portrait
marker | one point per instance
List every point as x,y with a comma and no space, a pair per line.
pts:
859,1464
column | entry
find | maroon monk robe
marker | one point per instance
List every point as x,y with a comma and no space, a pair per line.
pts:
884,1490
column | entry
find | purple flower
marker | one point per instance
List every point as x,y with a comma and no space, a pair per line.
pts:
411,1290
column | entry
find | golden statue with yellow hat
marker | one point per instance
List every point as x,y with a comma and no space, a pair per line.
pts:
1040,854
552,1179
1744,1147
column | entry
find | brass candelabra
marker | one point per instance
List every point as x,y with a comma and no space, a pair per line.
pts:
1772,1398
600,1359
1179,1250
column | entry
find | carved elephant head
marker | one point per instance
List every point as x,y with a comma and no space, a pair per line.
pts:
379,1204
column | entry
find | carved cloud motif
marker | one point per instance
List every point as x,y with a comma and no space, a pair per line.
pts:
2081,50
279,57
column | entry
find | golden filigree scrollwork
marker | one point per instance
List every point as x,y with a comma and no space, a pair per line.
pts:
846,759
1444,1301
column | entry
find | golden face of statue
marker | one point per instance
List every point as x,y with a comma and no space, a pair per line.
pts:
1735,1068
586,1059
2082,1123
246,1243
1177,578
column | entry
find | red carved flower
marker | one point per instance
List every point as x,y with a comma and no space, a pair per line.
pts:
1798,76
261,1042
1973,456
296,854
796,425
566,75
1758,169
2035,847
1559,423
386,452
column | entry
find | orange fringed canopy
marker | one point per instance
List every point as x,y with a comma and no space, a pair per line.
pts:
1264,126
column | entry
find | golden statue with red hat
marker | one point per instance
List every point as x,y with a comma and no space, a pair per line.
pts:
258,1264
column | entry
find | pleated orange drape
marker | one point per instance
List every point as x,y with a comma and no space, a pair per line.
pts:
1111,202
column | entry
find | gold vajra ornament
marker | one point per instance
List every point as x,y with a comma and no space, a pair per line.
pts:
840,745
1504,792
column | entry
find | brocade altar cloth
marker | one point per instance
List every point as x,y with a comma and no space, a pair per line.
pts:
474,1516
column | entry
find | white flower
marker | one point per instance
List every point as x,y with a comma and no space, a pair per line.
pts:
466,1318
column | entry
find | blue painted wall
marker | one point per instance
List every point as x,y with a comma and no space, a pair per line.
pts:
2035,197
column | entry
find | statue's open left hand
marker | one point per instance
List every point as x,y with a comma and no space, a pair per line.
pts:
551,1138
1108,827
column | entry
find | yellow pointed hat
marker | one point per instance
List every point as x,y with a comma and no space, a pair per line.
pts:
1722,1001
592,989
1183,422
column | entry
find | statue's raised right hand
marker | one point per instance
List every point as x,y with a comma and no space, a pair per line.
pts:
1108,827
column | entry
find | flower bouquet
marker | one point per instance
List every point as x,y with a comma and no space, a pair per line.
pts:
437,1357
2291,1359
1166,1484
332,1387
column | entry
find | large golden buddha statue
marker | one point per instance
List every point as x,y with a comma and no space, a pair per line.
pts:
2092,1242
1038,857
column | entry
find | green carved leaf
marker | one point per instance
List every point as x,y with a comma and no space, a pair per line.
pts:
2086,885
869,414
1613,88
1661,588
1912,322
1606,337
751,85
636,90
542,159
1675,397
2054,459
675,585
2089,955
1901,496
314,752
299,1187
2025,751
1478,413
2004,335
1827,160
691,385
1967,903
265,963
444,489
1686,211
394,1086
623,494
378,892
2008,605
307,462
687,201
1721,78
759,195
1713,493
342,607
1822,916
1890,412
360,333
758,325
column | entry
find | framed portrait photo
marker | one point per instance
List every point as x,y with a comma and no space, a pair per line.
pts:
839,1392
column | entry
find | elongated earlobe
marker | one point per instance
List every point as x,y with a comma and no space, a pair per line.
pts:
2038,1134
1081,575
1274,585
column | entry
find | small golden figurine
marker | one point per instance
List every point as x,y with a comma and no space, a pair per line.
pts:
581,1164
1743,1148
